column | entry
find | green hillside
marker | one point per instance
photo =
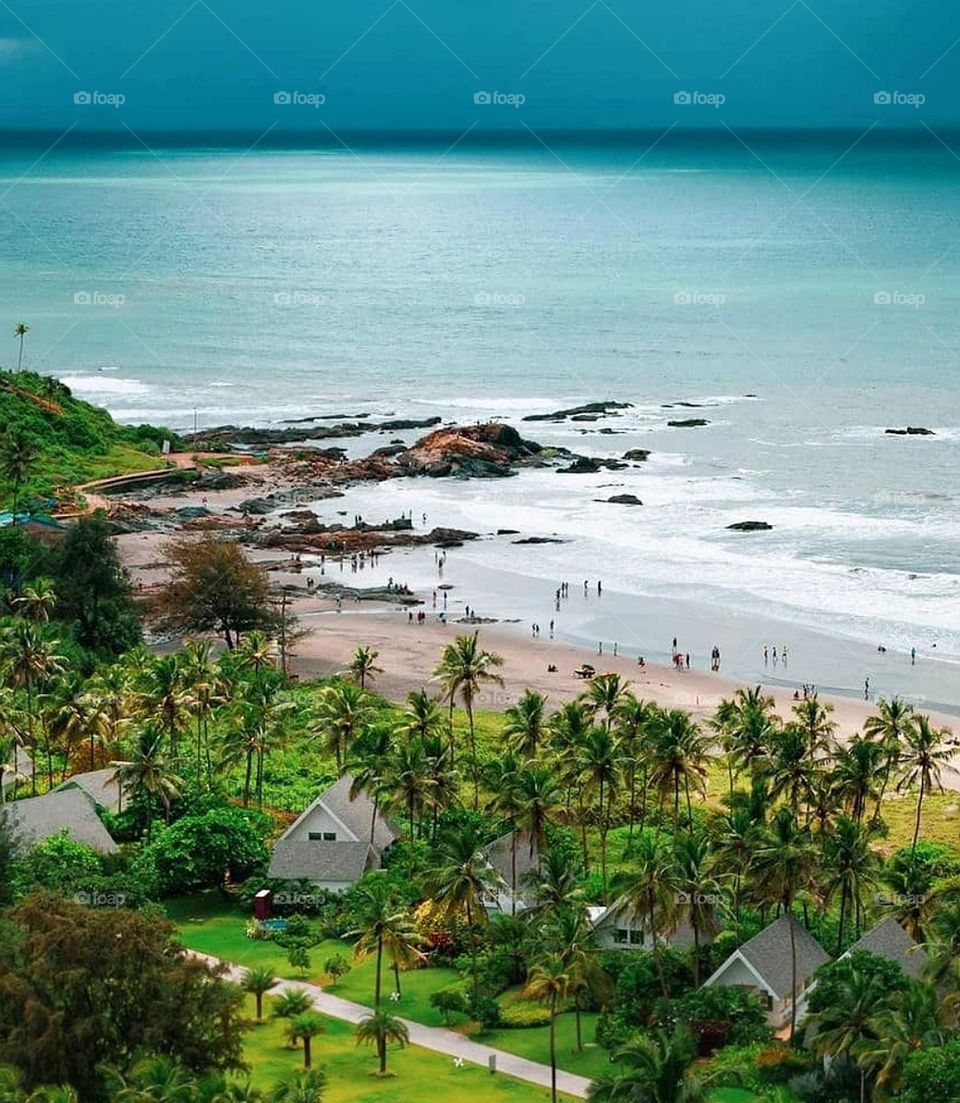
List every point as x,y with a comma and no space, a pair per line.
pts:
57,441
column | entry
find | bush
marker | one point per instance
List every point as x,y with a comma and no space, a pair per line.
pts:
58,863
299,959
736,1067
522,1014
336,967
718,1016
484,1010
449,1002
932,1075
778,1063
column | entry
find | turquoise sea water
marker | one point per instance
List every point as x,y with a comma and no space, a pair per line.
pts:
176,283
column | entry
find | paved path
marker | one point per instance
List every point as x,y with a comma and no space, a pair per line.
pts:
434,1038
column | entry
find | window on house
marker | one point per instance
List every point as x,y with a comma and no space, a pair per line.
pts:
322,836
636,937
621,935
314,836
329,836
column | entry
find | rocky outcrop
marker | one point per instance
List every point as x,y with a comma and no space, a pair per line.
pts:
228,436
688,423
539,540
622,500
750,526
638,455
338,539
590,411
911,431
582,465
485,451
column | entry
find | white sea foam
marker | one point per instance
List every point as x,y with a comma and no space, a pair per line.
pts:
105,387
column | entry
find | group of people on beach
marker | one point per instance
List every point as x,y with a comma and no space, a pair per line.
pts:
770,652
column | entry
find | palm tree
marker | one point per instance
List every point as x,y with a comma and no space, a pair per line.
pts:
258,981
343,713
464,669
557,889
37,601
300,1087
792,774
943,947
746,726
30,660
378,1030
892,725
549,983
784,866
910,1022
259,726
605,694
290,1003
443,777
850,868
679,758
460,881
525,723
18,454
20,330
156,1077
568,728
735,833
635,721
384,929
651,895
598,762
255,652
813,719
149,774
845,1027
363,665
205,685
570,936
408,784
655,1067
167,696
699,892
422,717
926,752
537,799
856,769
306,1026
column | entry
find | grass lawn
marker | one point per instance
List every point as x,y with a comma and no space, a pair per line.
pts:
534,1044
350,1069
731,1095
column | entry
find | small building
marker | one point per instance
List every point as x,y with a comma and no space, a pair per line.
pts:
100,785
620,927
16,771
38,818
515,861
888,939
335,841
764,966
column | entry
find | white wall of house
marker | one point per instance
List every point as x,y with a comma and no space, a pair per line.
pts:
319,822
623,931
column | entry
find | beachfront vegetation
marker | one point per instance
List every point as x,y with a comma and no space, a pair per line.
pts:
53,441
714,829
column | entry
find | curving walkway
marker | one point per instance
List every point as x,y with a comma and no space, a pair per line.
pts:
434,1038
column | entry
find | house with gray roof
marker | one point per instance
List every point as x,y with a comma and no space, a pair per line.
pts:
888,939
620,926
334,841
514,863
16,770
100,785
764,966
37,818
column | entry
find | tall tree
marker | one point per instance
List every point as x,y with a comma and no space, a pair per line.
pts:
525,723
378,1030
363,666
925,754
18,454
20,331
549,983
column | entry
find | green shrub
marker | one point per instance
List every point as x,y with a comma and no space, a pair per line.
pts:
521,1014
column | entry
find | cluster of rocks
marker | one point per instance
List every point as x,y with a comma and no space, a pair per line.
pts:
911,431
234,436
590,411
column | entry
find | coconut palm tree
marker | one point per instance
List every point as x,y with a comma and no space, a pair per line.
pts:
635,721
342,714
791,772
460,880
599,763
18,454
167,697
306,1027
537,798
943,948
37,601
464,669
205,686
849,868
290,1003
421,718
549,983
650,893
258,981
784,866
363,666
20,330
379,1029
525,723
857,768
846,1026
148,773
910,1022
569,935
812,717
557,888
604,696
300,1087
654,1067
745,726
255,652
29,660
894,722
385,928
679,756
699,892
735,834
408,785
925,753
156,1077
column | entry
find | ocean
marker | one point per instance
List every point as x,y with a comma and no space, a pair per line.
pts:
802,297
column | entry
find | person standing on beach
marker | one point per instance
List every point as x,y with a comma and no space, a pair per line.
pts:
586,586
913,656
783,654
766,655
600,648
551,629
615,646
599,587
866,689
774,654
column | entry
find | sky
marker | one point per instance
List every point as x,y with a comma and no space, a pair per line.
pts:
491,64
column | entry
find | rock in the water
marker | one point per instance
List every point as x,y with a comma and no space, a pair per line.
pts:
577,412
539,540
637,454
750,526
688,423
508,532
622,500
582,465
911,431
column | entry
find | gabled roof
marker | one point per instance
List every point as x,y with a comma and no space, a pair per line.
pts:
356,815
24,767
306,860
499,854
99,785
888,939
767,955
37,818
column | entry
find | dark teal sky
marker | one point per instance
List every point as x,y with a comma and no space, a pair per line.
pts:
385,65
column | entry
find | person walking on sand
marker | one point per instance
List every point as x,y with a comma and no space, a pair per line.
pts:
774,654
600,648
866,689
615,650
599,587
688,660
913,656
551,629
766,655
783,654
586,587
